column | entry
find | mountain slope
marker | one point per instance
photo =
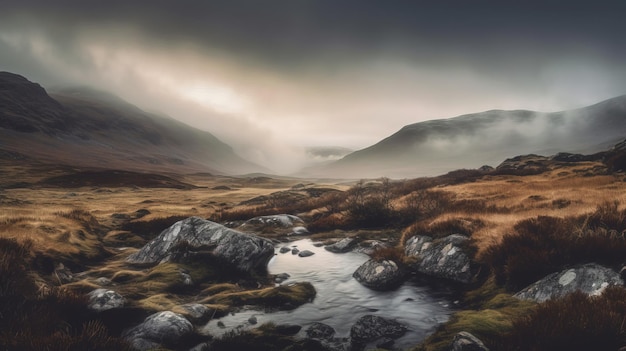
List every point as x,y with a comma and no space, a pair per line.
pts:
469,141
84,127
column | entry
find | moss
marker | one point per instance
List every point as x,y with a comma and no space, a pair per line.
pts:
282,297
492,317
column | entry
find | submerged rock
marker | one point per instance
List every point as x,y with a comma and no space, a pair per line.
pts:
245,251
320,331
441,258
383,275
103,299
370,328
464,341
589,278
160,329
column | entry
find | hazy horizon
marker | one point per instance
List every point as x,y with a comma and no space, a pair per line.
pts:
272,78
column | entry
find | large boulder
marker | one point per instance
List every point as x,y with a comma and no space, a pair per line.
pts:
245,251
379,275
441,258
370,328
160,329
464,341
589,278
104,299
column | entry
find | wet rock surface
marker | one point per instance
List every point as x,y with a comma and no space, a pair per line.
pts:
371,328
343,245
380,275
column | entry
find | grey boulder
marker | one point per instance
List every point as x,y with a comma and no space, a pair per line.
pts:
441,258
379,275
589,278
245,251
320,331
160,329
104,299
464,341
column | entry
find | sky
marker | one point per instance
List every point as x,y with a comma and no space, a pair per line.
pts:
274,77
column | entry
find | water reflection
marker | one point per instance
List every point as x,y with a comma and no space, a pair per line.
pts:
341,300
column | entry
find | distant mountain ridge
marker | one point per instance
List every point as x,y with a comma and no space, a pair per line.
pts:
85,127
469,141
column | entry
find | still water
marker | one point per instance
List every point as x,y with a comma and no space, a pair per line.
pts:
341,300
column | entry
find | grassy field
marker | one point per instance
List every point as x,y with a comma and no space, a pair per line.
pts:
92,229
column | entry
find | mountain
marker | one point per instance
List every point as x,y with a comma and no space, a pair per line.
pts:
469,141
85,127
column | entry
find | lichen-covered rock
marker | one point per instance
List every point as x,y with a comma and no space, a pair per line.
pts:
163,328
104,299
441,258
589,278
245,251
343,245
379,275
320,331
370,328
464,341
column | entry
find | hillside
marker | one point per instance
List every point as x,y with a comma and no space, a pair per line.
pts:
469,141
88,128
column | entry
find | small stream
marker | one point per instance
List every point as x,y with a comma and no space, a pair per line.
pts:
341,300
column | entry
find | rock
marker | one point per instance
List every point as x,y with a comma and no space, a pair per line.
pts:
163,328
196,313
277,221
186,278
320,331
306,253
383,275
441,258
589,278
252,320
284,249
343,245
299,231
294,251
287,329
370,328
63,274
368,247
245,251
279,278
465,341
103,299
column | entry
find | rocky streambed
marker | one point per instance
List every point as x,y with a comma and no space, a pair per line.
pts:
341,300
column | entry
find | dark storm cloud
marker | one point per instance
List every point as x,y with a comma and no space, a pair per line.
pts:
319,73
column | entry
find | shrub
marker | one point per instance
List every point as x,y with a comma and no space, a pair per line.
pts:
574,322
543,245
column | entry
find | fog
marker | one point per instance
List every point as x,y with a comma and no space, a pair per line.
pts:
275,78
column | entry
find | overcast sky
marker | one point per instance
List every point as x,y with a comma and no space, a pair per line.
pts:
272,77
